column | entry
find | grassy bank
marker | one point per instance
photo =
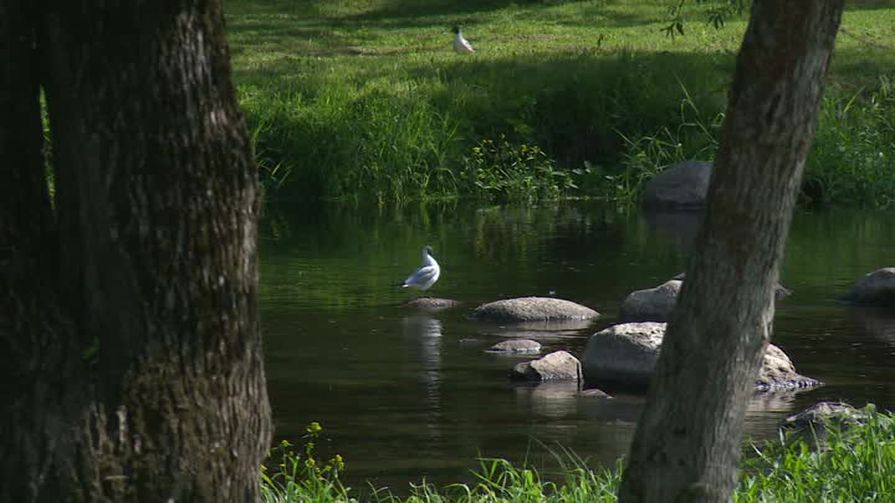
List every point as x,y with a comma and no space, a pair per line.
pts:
364,98
857,464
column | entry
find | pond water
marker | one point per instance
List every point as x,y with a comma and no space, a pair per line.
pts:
402,396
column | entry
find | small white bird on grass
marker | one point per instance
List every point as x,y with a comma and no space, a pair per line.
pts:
426,276
461,45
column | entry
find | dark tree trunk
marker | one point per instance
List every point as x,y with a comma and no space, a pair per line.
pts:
687,443
149,257
41,385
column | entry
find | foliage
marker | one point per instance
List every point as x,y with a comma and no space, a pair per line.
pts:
363,99
501,171
854,154
695,136
302,477
855,464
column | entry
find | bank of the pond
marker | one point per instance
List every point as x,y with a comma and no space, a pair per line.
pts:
856,464
365,99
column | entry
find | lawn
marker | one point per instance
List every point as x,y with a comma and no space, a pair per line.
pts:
358,99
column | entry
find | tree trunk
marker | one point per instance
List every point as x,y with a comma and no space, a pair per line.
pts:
40,384
155,234
687,443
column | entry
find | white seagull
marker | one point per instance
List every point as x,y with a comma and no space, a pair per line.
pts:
461,45
426,276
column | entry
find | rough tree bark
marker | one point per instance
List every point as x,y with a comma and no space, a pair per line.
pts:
149,257
687,443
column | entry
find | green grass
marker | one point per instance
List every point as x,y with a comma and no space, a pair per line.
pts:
364,98
855,464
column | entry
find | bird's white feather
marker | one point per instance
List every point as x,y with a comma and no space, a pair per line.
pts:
426,276
461,45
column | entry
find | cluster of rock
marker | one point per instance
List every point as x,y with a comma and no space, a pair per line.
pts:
556,366
626,353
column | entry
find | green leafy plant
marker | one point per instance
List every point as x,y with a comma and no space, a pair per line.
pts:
301,476
853,160
503,171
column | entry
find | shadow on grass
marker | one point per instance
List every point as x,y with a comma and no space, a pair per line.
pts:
402,14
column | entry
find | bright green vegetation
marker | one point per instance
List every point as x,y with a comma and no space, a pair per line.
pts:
855,464
365,99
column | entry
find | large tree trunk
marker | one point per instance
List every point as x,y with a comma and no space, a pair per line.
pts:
41,385
687,443
149,258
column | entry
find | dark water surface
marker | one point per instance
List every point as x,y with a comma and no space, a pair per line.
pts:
403,396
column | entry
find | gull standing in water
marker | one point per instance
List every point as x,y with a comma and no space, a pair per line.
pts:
426,276
461,45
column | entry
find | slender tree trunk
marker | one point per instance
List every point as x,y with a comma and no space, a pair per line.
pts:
687,443
149,258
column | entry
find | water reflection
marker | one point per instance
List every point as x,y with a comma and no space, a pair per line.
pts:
549,399
680,226
773,401
539,331
878,322
425,333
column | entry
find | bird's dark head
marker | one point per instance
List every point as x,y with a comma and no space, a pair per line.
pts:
427,250
455,29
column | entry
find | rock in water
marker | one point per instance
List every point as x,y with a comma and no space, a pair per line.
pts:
530,309
555,366
516,346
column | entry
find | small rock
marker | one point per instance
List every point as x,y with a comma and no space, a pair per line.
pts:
555,366
431,304
812,424
517,346
876,288
778,373
652,304
681,186
528,309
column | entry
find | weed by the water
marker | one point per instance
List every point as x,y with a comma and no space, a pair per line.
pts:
504,172
301,477
853,464
853,160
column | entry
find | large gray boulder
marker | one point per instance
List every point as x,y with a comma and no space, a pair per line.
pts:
626,355
874,289
556,366
533,309
651,304
681,186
